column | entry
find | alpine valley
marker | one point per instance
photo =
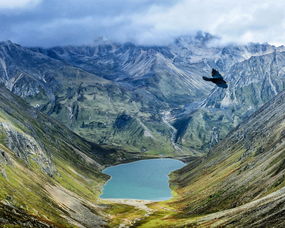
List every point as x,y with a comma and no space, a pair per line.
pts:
68,112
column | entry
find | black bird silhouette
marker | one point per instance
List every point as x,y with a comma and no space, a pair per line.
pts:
217,79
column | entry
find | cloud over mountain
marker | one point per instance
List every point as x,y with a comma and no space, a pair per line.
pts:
53,22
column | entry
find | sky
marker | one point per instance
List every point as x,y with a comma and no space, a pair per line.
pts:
49,23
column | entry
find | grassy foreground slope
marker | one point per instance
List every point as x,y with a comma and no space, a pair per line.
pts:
241,183
49,176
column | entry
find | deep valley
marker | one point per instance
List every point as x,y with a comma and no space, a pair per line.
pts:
68,112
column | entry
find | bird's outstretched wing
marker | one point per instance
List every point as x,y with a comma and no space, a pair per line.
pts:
216,74
207,79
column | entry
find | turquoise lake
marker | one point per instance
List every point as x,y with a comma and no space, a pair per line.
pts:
144,179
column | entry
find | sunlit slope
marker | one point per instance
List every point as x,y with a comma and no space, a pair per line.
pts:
49,175
245,172
246,165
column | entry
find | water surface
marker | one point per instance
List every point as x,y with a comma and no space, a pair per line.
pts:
145,179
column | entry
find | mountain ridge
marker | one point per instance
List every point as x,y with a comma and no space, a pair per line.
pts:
89,87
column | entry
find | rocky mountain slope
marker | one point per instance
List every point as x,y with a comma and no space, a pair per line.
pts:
96,108
50,177
251,83
173,75
132,96
241,181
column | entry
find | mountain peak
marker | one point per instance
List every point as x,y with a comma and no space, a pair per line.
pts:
8,44
101,40
200,38
204,37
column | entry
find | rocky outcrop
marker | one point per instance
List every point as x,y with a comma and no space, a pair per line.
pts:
25,148
13,217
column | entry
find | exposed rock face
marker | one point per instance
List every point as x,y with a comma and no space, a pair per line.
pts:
25,147
17,66
251,83
84,85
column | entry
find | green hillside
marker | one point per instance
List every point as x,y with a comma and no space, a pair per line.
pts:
49,175
240,183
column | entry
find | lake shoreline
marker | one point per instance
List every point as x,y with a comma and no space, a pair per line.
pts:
184,158
141,180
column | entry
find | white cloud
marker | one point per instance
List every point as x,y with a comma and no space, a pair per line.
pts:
10,4
59,22
234,21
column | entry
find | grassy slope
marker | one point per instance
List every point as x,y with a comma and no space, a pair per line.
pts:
46,170
244,172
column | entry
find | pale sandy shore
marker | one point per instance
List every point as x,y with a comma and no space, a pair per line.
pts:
141,204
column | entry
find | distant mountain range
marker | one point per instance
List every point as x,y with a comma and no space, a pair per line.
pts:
145,99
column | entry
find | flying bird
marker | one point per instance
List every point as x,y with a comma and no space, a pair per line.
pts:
217,78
